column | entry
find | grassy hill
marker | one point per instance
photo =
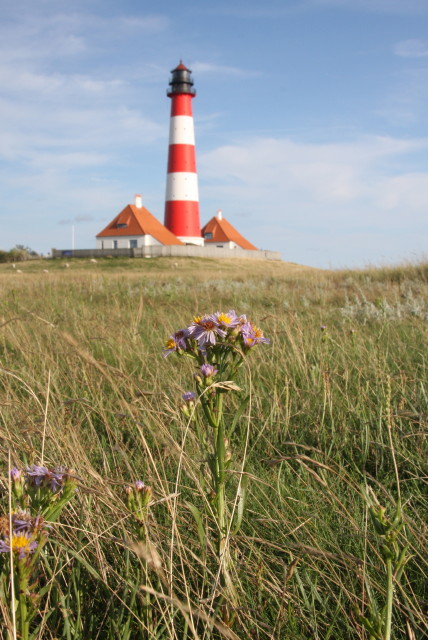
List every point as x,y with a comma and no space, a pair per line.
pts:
330,417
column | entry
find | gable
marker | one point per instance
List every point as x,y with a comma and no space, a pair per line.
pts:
223,231
138,221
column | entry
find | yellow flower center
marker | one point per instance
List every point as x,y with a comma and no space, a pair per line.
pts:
257,332
170,344
20,542
224,318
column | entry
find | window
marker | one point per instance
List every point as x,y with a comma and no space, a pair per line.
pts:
133,244
121,225
114,244
208,236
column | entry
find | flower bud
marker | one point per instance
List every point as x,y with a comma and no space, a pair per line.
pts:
144,496
18,481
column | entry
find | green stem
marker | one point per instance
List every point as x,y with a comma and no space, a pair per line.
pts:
207,409
23,611
220,488
389,596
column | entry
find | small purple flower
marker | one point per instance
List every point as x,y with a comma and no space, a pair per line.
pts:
205,329
252,335
21,543
23,522
39,476
176,342
15,474
208,370
189,396
323,327
36,474
227,320
139,485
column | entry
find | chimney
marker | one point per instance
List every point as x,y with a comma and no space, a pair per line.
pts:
219,214
138,201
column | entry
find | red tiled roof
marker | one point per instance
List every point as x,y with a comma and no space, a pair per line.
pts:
223,231
138,221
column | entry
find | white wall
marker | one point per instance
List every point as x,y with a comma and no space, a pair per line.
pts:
222,245
123,242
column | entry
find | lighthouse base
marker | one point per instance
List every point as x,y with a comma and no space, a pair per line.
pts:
196,240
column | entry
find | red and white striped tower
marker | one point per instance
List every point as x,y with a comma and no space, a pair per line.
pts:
182,197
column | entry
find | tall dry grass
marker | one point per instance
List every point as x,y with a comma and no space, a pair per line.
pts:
83,383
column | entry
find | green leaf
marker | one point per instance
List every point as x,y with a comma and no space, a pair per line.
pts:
79,558
238,415
199,523
242,495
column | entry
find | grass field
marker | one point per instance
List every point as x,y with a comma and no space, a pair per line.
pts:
336,403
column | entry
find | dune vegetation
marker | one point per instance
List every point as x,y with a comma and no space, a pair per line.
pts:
113,522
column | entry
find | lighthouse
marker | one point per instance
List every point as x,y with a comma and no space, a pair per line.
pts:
182,196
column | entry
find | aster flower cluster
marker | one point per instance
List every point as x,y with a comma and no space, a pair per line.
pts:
22,537
38,496
217,331
44,490
218,343
28,534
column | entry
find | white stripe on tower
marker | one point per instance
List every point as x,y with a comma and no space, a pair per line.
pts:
181,130
182,196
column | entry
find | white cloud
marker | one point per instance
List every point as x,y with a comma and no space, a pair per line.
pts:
338,189
207,67
411,48
406,192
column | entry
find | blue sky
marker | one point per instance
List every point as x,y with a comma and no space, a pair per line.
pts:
311,120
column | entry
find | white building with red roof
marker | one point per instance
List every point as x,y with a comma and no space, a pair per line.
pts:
135,227
220,233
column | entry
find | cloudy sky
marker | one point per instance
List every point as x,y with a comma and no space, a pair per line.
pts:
311,120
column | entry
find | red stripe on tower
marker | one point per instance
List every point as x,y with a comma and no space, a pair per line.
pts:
182,197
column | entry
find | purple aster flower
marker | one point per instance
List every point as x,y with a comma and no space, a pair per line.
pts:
36,474
39,476
139,485
176,342
21,543
205,329
189,396
57,478
252,335
208,370
15,474
227,320
23,522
